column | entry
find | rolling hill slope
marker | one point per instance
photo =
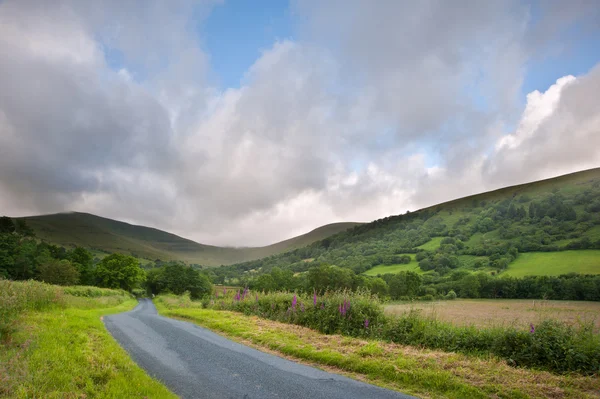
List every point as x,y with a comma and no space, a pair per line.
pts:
107,235
551,220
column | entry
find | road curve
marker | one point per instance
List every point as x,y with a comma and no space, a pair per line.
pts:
197,363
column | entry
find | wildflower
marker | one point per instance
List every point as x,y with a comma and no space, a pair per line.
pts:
344,308
531,328
366,323
294,302
301,306
256,297
224,291
322,306
237,296
315,298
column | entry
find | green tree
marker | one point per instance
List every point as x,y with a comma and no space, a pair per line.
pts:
378,286
264,282
405,283
82,259
119,271
23,228
6,225
324,277
59,272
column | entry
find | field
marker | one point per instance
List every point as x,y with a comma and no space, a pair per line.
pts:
503,312
416,371
555,263
413,266
432,244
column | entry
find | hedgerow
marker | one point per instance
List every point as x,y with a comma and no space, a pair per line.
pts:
550,345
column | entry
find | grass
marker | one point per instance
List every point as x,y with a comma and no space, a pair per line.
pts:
502,312
555,263
62,350
432,244
413,266
420,372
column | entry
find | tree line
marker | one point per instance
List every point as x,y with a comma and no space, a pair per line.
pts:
24,257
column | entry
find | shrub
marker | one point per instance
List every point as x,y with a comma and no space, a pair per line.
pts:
346,312
451,295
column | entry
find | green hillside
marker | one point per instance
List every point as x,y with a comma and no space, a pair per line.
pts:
548,227
104,235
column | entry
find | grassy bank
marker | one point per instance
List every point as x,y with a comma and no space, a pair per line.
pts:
57,346
423,373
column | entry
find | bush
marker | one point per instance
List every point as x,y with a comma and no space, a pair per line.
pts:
451,295
345,312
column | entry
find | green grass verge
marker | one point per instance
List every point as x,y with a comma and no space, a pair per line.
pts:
424,373
555,263
68,353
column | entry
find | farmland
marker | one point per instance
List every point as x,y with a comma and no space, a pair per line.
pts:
555,263
502,312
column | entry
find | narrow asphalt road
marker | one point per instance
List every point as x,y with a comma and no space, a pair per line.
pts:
197,363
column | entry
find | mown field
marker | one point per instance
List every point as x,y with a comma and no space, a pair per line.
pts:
518,313
53,344
555,263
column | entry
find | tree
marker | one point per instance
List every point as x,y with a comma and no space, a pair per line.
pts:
378,286
23,228
178,278
324,277
264,282
119,271
6,225
405,283
60,272
82,259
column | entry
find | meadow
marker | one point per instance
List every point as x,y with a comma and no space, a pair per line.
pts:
519,313
555,263
413,266
53,344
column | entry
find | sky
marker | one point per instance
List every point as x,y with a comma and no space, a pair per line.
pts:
245,123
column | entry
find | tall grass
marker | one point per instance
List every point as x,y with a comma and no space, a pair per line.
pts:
18,297
549,345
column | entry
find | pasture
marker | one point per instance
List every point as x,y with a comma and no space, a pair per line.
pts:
413,266
555,263
519,313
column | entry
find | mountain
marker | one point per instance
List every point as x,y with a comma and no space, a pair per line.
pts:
107,235
548,227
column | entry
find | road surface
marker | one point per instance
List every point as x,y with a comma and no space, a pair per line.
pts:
197,363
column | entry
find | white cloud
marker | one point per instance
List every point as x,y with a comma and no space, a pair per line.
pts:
392,107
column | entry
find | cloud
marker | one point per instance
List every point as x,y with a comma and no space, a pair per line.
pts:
110,109
559,133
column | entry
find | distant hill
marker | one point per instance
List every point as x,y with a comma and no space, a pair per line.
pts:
107,235
548,227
